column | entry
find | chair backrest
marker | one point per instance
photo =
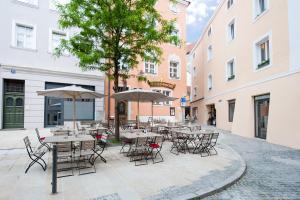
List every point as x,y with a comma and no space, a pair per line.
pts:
214,139
78,126
141,141
206,139
64,147
87,145
159,140
60,132
104,137
27,145
38,134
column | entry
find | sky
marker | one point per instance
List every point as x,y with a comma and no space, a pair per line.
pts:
199,12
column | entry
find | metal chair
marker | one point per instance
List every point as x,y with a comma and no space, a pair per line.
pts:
155,149
213,143
101,142
203,146
86,157
41,140
35,156
139,152
65,158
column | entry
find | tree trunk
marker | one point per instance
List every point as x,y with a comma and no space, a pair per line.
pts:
117,119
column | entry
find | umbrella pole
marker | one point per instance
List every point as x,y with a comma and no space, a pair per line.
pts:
152,112
138,114
74,112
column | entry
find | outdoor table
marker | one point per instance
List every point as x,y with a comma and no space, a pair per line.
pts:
96,130
135,135
72,138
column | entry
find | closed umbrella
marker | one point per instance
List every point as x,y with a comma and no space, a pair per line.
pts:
74,92
140,95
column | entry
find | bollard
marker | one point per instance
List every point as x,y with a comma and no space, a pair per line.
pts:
54,170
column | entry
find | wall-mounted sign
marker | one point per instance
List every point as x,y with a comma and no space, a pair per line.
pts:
161,84
183,101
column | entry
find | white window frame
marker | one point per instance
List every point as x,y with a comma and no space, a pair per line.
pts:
256,13
209,53
228,76
26,2
256,53
174,58
231,5
50,48
155,68
161,90
229,33
209,82
14,38
173,6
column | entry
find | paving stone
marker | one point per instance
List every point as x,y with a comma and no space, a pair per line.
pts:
273,171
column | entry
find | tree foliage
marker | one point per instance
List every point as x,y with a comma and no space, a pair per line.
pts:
113,36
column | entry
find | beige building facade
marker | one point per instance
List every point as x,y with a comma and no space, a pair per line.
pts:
246,72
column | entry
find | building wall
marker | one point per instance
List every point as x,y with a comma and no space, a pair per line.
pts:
39,65
169,51
278,79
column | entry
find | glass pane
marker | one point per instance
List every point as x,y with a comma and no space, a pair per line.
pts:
9,101
19,102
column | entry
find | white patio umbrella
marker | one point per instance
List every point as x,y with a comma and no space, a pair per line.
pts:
140,95
74,92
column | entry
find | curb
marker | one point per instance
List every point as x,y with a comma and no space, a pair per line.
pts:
227,182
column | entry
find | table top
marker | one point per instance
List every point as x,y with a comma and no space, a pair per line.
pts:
72,138
187,132
96,128
134,135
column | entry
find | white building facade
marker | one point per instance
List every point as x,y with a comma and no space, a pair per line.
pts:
29,33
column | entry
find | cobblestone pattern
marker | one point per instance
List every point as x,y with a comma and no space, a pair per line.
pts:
113,196
201,185
273,172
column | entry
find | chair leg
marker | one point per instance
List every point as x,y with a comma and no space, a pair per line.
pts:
156,154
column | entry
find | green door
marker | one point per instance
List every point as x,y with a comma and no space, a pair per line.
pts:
13,112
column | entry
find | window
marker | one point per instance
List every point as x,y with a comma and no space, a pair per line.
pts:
56,38
53,3
209,32
195,91
262,53
174,70
194,71
231,107
174,7
231,30
32,2
260,6
150,67
157,103
175,32
209,53
165,92
229,4
230,70
58,110
209,82
24,36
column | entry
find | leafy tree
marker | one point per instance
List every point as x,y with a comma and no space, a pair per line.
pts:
114,35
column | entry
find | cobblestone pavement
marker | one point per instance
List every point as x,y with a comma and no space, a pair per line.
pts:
273,172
